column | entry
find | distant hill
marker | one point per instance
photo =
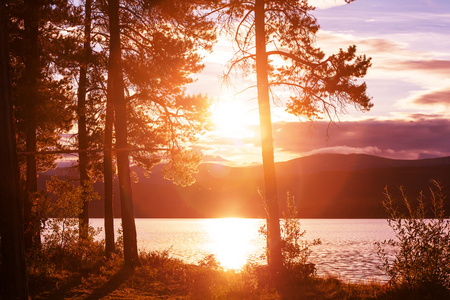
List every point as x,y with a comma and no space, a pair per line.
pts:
325,186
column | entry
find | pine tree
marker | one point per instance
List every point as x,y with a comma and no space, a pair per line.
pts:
320,86
42,101
13,266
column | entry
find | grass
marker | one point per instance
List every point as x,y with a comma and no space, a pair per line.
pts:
162,277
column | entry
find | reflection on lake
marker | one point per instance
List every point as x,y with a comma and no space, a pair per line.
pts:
347,248
233,240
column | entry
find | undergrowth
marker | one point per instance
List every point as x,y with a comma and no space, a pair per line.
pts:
418,259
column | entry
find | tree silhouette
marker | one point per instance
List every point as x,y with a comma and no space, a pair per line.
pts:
82,126
13,267
156,45
42,100
116,94
158,65
320,86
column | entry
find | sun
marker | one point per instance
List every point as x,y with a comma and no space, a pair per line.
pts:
233,117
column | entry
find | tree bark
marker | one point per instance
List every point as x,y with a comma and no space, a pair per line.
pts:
32,75
274,257
120,106
108,179
82,128
13,267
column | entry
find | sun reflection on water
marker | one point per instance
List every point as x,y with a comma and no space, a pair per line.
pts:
232,241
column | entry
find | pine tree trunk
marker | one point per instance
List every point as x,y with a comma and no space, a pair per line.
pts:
13,269
123,166
32,75
108,180
82,127
270,182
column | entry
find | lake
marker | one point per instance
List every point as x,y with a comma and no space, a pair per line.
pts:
347,248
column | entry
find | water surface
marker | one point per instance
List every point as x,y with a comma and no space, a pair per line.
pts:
347,248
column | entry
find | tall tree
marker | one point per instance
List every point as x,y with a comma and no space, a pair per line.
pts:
116,94
108,178
13,267
320,86
274,257
157,46
82,126
31,79
42,101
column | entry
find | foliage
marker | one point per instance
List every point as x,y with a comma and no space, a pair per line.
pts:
161,277
181,167
161,43
421,248
62,245
320,86
210,261
294,248
41,93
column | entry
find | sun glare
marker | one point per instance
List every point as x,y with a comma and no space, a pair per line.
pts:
233,117
232,241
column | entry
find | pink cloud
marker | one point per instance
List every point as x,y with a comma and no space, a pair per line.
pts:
441,97
434,66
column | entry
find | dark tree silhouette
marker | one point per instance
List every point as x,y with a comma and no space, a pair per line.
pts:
82,126
31,94
13,268
108,177
157,47
158,65
42,101
116,94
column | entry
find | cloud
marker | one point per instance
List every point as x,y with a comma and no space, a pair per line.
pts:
440,98
324,4
347,150
441,67
401,139
420,136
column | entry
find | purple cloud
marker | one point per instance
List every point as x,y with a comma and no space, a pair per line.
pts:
401,139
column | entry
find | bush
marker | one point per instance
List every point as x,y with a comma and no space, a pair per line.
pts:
421,250
294,248
62,246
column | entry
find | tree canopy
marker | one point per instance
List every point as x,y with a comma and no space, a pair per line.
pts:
320,86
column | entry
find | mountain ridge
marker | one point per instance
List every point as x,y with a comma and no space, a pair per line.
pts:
325,186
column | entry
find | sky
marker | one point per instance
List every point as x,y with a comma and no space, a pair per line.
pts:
409,82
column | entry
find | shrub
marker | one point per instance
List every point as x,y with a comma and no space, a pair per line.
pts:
421,249
294,248
62,247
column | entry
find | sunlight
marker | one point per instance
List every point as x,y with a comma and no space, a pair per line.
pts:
233,117
232,241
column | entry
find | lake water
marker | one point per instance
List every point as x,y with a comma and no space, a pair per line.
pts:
347,248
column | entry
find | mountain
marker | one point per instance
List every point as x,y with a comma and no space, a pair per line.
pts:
325,186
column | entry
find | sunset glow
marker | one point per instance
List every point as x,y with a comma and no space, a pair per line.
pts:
232,117
232,241
408,81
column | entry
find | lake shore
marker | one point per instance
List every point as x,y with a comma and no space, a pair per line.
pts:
162,277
